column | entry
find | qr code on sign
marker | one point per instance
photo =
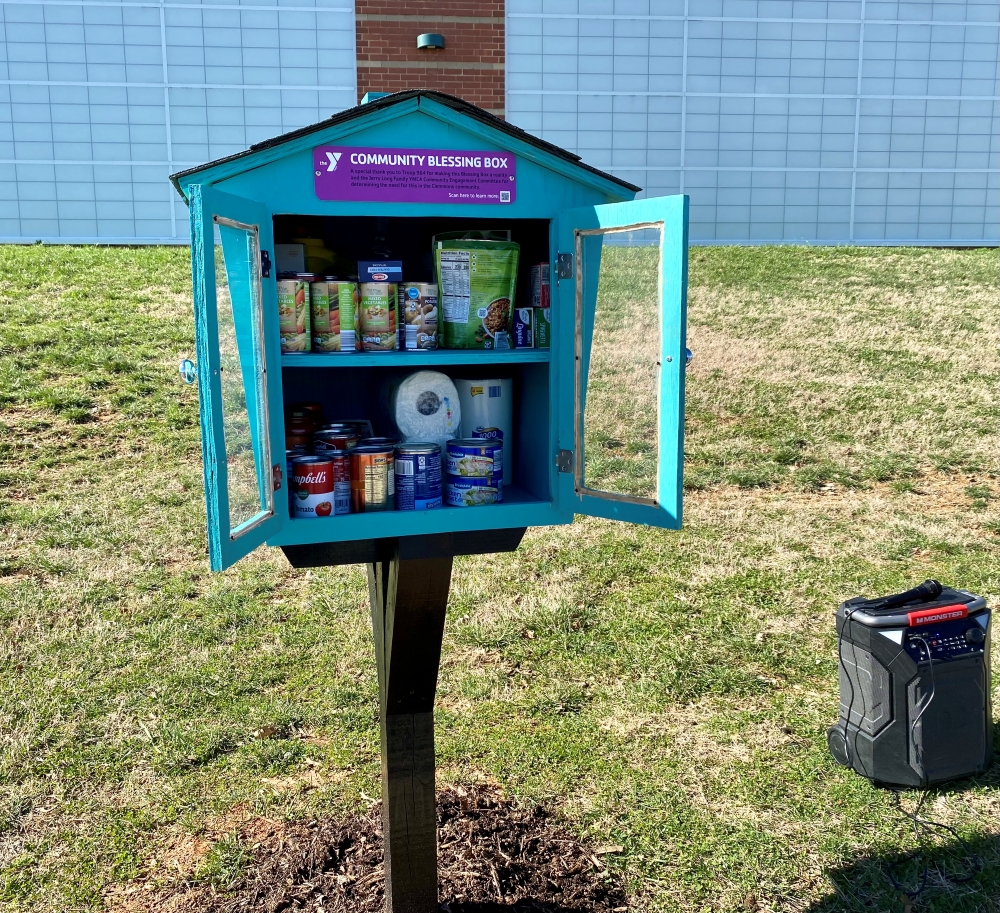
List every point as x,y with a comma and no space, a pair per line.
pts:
504,196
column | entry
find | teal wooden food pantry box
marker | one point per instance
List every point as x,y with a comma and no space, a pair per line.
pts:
257,198
597,416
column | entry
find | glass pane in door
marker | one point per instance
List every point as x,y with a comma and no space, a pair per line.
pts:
241,360
618,361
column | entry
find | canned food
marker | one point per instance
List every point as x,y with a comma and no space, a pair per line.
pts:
313,480
334,315
373,478
341,479
378,441
418,476
478,458
377,319
311,411
418,315
294,311
335,437
298,436
473,492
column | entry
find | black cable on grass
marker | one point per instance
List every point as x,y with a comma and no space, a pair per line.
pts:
921,830
922,826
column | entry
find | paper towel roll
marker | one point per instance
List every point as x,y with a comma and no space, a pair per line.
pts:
488,411
425,407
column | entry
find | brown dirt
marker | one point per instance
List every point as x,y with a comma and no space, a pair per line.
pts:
494,856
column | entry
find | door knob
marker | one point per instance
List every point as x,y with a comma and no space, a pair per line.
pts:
188,371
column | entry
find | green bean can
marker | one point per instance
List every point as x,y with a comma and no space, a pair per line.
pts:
294,311
334,316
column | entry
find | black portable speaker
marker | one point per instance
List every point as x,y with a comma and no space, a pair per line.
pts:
914,686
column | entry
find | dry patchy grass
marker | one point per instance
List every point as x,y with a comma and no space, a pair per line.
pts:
671,690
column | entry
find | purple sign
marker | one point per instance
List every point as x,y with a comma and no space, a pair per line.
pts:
386,175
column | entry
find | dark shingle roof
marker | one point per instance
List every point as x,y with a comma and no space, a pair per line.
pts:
456,104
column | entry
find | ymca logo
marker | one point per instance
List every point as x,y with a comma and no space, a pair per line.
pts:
334,157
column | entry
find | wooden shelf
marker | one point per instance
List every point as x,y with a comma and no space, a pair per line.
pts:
406,359
518,508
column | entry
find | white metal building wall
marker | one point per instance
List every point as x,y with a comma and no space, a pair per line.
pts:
100,100
785,120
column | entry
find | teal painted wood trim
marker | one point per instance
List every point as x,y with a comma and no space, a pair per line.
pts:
673,213
517,509
341,133
479,359
213,444
225,170
261,386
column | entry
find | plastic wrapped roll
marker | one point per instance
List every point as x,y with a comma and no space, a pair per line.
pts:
425,407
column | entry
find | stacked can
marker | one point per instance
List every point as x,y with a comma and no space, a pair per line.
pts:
334,306
474,472
373,477
418,315
295,311
314,482
335,436
377,316
418,476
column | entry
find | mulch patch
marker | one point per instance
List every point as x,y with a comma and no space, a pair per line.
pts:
494,856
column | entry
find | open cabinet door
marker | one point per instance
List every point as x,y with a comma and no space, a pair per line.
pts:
239,373
622,299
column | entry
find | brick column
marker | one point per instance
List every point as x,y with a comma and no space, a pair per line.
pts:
471,65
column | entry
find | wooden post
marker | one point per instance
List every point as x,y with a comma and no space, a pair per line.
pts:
408,601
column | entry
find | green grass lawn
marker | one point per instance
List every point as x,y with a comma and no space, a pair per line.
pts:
670,691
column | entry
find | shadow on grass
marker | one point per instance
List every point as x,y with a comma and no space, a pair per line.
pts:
960,878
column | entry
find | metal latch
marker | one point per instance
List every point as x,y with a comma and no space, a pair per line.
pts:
564,460
276,476
265,264
564,266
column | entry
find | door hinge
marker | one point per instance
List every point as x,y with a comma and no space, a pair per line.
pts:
265,264
276,476
564,460
564,266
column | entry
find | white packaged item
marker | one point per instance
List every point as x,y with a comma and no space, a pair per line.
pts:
425,407
488,411
290,258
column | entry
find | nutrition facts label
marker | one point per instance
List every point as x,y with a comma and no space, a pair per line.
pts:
342,497
380,486
455,288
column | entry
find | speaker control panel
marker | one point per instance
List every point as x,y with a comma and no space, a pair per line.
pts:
945,640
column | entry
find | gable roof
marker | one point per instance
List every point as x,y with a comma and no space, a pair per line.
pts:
450,101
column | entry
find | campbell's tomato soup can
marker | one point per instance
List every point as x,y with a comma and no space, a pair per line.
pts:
373,478
313,487
339,436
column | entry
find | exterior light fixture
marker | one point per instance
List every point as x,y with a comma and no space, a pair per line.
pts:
430,41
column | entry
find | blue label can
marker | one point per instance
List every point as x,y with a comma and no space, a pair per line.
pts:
475,458
473,492
418,476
